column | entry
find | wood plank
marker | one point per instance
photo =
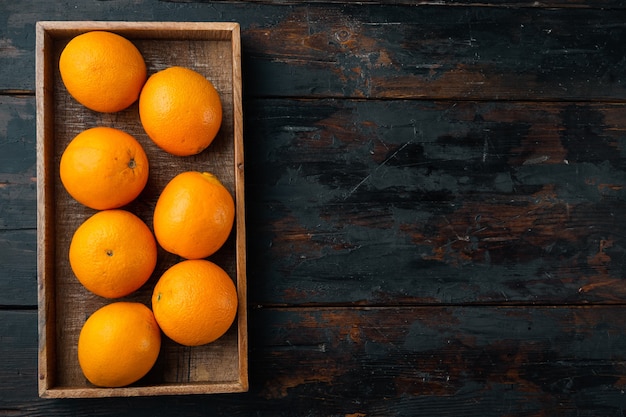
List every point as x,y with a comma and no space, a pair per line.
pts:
18,207
439,52
18,350
18,275
443,361
470,361
435,202
376,51
413,202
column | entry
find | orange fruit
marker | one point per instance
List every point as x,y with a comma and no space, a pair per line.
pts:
180,110
103,71
194,215
194,302
118,344
113,253
104,168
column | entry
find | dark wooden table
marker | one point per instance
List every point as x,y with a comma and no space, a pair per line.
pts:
435,207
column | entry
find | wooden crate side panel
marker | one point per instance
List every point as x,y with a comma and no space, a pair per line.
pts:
45,211
239,173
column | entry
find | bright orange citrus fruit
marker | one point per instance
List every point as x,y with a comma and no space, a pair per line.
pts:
194,215
180,110
104,168
113,253
119,344
103,71
195,302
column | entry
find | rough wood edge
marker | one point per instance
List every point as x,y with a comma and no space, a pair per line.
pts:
45,298
173,389
136,28
240,199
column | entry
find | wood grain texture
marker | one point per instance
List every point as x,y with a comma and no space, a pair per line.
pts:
390,202
487,361
18,275
17,163
18,367
433,52
391,51
18,244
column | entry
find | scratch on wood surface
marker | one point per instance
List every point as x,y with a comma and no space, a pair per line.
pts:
367,177
485,149
314,347
536,160
10,180
594,285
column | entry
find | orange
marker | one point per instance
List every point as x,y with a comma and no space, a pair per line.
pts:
194,302
194,215
103,71
104,168
113,253
118,344
180,110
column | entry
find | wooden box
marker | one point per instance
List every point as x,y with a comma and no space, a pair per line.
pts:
212,49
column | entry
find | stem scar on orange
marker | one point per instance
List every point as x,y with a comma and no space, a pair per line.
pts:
113,253
195,302
103,71
104,168
194,215
180,110
118,344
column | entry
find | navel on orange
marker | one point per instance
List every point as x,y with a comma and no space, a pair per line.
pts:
118,344
194,215
104,168
103,71
180,110
195,302
113,253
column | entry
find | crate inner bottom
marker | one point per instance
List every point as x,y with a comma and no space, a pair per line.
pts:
217,362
